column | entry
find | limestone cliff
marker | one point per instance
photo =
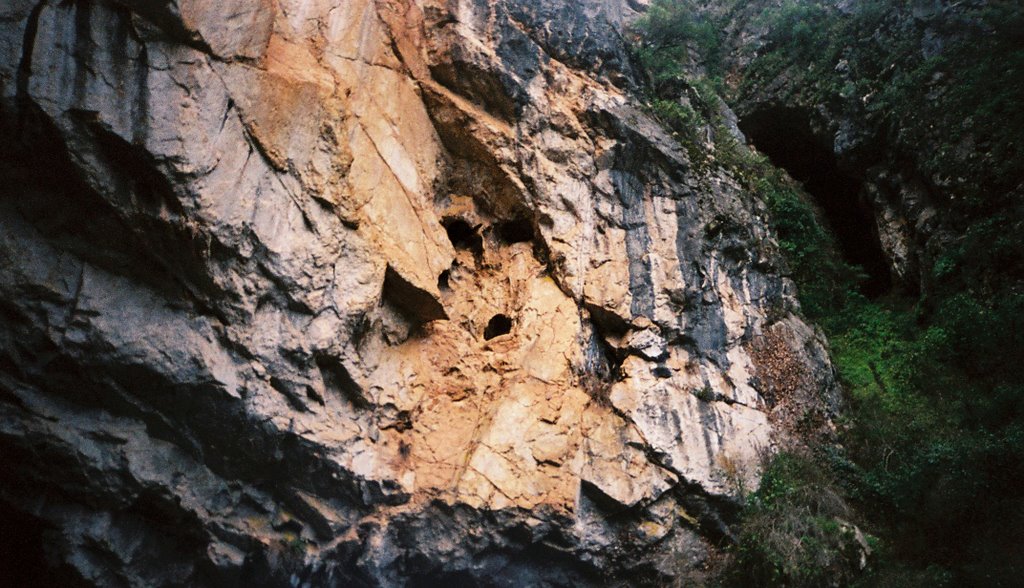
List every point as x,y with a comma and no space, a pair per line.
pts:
374,292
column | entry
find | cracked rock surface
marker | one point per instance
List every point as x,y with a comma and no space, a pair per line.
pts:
374,292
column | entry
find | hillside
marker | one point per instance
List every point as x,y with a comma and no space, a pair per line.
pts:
511,293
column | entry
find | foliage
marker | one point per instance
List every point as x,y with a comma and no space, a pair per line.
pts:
684,122
950,82
680,49
675,36
933,438
797,27
707,394
793,531
934,430
826,280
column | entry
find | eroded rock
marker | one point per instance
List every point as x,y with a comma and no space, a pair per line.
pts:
241,342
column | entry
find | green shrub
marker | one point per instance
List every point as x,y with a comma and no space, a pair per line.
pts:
684,122
794,530
673,35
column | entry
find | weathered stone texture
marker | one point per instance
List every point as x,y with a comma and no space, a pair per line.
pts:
248,255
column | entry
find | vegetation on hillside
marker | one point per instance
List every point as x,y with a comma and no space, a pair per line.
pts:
948,76
932,454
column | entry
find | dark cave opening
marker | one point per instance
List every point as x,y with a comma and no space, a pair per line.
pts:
519,230
22,558
499,324
785,136
21,549
464,236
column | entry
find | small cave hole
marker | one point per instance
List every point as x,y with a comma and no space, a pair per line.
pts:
602,366
464,236
315,396
444,281
499,325
518,230
23,558
786,137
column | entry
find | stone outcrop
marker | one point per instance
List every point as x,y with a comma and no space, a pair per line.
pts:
373,293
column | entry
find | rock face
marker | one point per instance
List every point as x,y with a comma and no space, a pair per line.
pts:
373,293
903,177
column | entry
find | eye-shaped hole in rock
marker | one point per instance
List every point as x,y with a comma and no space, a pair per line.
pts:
463,235
519,230
499,325
444,281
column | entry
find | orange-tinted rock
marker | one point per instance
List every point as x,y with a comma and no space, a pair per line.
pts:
255,294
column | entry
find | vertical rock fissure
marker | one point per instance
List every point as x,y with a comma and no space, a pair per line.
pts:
83,50
28,48
638,242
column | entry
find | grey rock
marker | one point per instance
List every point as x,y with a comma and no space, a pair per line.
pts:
244,344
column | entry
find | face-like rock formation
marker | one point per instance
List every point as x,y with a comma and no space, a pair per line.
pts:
373,293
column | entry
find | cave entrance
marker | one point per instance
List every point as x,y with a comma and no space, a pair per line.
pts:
23,559
499,325
785,136
464,236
